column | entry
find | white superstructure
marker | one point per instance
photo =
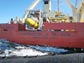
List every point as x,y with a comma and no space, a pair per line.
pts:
56,16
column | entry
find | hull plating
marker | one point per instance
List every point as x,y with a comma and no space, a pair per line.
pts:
53,34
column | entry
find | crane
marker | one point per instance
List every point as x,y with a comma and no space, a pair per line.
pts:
73,9
32,6
80,11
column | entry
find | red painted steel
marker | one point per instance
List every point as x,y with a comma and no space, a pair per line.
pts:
69,35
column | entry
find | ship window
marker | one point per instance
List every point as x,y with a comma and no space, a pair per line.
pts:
56,15
46,2
57,30
5,30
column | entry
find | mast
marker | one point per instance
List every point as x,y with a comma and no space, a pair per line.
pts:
76,3
46,7
58,6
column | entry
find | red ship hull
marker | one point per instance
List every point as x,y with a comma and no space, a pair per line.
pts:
69,35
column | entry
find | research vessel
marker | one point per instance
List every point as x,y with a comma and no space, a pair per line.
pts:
47,28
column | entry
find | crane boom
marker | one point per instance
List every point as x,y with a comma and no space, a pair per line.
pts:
73,9
80,11
33,4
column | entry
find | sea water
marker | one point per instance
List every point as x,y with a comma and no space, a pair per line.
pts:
8,49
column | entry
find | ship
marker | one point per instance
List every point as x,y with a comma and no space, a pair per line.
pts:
47,28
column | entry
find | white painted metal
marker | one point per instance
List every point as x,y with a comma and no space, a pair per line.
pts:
77,13
46,8
30,8
80,11
73,10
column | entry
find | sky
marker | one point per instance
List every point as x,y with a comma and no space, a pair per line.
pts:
12,8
